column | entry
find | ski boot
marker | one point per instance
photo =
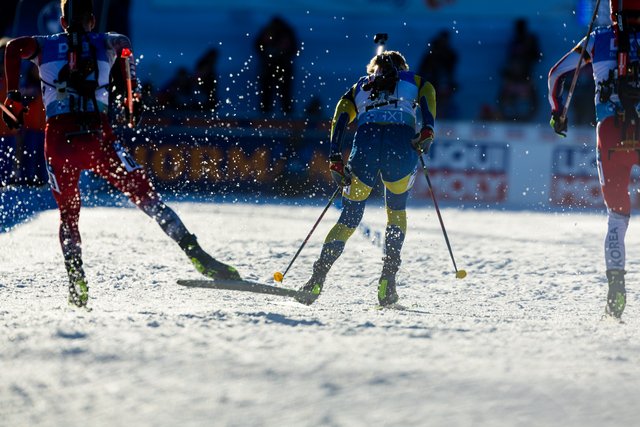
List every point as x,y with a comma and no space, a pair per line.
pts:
387,294
313,287
204,262
78,287
617,295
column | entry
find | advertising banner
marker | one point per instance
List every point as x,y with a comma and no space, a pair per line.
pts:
462,170
488,166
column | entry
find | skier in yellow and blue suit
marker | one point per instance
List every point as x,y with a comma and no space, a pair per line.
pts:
384,103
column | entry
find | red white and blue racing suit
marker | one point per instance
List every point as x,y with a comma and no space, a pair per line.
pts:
617,129
78,136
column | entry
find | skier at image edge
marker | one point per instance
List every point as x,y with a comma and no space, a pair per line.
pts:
613,52
384,103
78,135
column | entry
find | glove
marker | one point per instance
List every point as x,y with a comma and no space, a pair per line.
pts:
422,140
138,108
340,173
14,104
558,124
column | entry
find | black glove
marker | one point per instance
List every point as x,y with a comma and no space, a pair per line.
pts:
340,173
422,140
558,124
14,104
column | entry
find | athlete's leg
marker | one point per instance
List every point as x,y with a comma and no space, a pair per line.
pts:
614,170
126,175
64,186
363,161
352,212
398,176
396,229
65,161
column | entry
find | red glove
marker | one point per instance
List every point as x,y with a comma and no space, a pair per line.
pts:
422,140
13,103
340,173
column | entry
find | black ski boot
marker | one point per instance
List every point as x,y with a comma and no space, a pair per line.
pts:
617,295
313,287
387,294
78,287
204,262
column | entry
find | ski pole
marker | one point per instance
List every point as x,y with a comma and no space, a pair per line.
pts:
565,110
460,274
278,276
126,57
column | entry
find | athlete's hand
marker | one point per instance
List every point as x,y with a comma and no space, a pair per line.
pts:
14,104
422,140
340,173
558,124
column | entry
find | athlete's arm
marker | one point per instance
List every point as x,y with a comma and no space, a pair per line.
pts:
345,113
121,47
427,103
17,50
118,43
564,67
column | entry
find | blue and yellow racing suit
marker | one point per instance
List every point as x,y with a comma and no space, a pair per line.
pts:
386,124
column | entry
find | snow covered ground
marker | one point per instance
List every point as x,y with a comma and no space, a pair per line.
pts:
519,342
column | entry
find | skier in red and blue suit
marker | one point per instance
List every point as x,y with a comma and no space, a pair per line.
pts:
78,135
384,103
613,53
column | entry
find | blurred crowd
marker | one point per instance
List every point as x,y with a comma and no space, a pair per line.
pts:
276,46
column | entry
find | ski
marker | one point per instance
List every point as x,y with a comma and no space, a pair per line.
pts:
394,306
242,286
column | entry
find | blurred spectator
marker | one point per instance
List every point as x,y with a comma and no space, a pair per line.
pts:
276,46
517,99
206,81
194,91
178,93
522,53
313,112
438,66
